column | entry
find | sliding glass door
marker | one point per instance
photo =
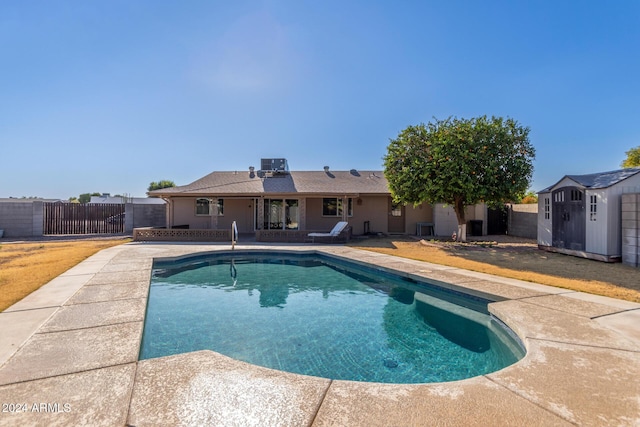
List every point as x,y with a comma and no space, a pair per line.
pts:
281,214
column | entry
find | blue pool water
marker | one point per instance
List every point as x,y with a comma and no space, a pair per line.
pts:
319,316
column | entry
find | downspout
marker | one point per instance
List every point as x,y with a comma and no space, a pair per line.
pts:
214,215
345,208
169,212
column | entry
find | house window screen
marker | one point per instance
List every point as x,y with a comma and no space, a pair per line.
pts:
204,207
333,206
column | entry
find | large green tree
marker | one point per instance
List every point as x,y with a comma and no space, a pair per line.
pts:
160,184
460,162
633,158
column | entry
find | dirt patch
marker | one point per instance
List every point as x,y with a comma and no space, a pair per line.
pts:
519,259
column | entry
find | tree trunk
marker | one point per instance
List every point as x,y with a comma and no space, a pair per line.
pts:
458,208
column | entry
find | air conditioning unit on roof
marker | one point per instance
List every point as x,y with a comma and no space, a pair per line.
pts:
275,166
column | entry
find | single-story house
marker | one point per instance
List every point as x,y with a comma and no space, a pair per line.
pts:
581,214
278,204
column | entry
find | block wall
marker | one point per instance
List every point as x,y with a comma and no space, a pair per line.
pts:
630,212
523,220
21,219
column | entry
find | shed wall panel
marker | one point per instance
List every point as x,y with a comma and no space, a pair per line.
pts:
544,225
597,229
630,208
566,182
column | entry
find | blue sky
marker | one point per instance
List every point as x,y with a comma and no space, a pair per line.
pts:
109,96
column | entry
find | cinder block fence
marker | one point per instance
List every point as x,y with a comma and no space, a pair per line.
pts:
25,218
631,229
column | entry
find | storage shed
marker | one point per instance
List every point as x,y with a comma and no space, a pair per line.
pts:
581,214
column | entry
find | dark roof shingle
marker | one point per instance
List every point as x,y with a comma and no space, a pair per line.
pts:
599,180
295,182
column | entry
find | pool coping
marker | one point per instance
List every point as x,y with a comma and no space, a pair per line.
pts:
69,356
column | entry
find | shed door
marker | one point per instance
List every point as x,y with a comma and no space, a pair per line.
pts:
395,223
568,218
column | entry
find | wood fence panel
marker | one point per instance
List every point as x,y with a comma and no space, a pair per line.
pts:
75,218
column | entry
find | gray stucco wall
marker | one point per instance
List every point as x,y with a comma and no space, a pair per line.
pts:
21,218
139,215
523,220
630,210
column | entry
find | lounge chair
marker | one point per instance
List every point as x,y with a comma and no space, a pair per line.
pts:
337,229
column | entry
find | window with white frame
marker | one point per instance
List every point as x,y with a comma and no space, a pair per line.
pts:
559,197
547,208
334,206
205,207
593,207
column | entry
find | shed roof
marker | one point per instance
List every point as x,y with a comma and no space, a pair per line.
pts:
294,182
599,180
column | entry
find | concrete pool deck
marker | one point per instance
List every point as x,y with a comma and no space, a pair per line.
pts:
69,356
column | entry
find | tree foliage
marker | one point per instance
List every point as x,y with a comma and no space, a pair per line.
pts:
86,197
633,158
460,162
160,184
529,198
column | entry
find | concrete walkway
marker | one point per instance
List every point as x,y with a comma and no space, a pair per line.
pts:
69,356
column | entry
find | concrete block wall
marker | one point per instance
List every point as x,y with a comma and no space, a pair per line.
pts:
26,218
630,211
143,215
21,218
523,220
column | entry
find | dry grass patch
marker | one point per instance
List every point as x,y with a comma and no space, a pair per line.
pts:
518,260
25,267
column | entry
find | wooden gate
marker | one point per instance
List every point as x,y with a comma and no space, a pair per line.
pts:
75,218
497,220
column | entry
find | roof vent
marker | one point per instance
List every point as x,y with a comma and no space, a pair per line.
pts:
326,168
251,169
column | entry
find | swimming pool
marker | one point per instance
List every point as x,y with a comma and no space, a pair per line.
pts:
321,316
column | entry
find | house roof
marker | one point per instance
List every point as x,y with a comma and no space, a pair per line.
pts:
294,182
123,200
598,180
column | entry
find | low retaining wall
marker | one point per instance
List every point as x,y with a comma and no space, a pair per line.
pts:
180,235
288,236
300,236
151,234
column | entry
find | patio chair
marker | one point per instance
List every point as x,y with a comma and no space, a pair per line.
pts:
337,229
